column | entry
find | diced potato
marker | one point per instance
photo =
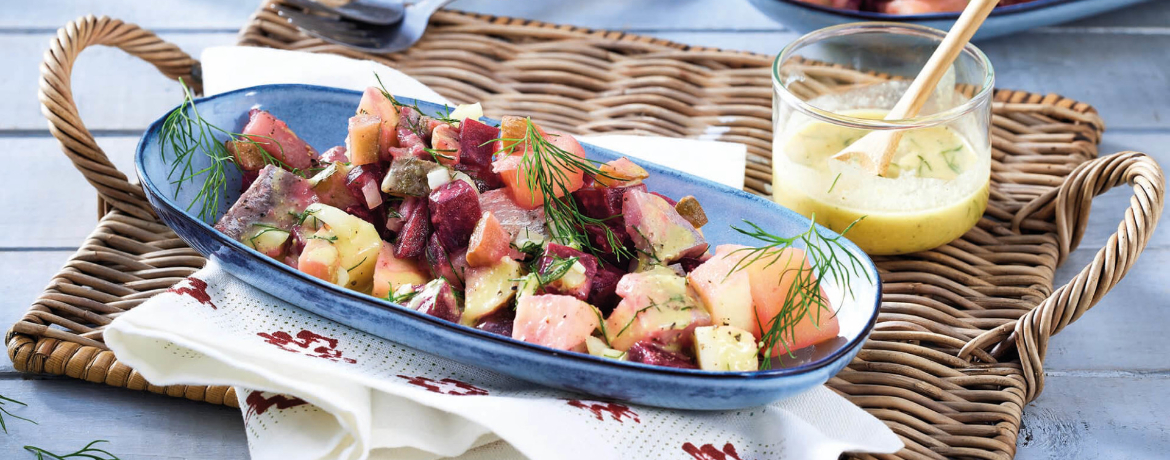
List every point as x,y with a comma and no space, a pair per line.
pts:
321,259
489,288
727,295
362,142
462,111
656,304
726,348
528,285
598,347
329,183
268,240
657,228
391,273
357,243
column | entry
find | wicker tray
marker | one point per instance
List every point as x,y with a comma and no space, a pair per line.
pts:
963,330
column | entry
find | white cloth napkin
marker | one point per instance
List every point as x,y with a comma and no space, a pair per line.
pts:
310,388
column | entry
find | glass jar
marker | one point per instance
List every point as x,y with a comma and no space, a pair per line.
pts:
836,84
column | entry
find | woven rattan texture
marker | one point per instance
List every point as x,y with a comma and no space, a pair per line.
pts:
961,337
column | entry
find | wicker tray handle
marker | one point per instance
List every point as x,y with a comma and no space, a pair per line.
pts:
56,96
1072,202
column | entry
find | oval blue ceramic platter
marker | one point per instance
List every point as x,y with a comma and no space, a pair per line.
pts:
319,114
804,17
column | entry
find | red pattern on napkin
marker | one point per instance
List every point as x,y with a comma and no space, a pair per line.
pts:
258,404
446,386
305,339
709,452
615,410
196,289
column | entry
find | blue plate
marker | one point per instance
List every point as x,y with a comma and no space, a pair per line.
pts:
319,114
804,17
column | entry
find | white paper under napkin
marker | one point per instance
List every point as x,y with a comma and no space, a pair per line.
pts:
313,389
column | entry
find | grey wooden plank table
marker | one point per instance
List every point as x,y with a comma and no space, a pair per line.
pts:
1108,375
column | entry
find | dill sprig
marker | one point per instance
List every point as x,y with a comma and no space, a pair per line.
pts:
4,411
556,270
440,153
544,166
88,452
804,294
188,134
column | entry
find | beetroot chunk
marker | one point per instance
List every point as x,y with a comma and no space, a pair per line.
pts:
362,182
454,212
651,352
602,291
445,264
476,142
571,283
437,299
412,239
500,322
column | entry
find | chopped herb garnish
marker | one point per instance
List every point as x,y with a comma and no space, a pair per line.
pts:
331,239
556,270
441,153
350,269
265,228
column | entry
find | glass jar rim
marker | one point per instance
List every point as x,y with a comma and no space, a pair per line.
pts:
899,28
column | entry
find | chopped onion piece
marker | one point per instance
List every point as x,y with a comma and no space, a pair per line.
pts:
437,177
372,194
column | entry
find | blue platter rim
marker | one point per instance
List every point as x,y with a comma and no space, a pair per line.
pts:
164,200
874,16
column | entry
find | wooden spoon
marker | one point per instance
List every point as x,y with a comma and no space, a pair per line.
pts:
874,151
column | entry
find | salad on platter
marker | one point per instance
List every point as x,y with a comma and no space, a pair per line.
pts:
511,229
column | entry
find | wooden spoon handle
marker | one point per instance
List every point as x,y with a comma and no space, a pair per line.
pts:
923,85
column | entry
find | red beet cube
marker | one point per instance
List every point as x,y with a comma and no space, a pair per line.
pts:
602,290
568,284
454,210
445,264
437,299
476,143
412,239
651,352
